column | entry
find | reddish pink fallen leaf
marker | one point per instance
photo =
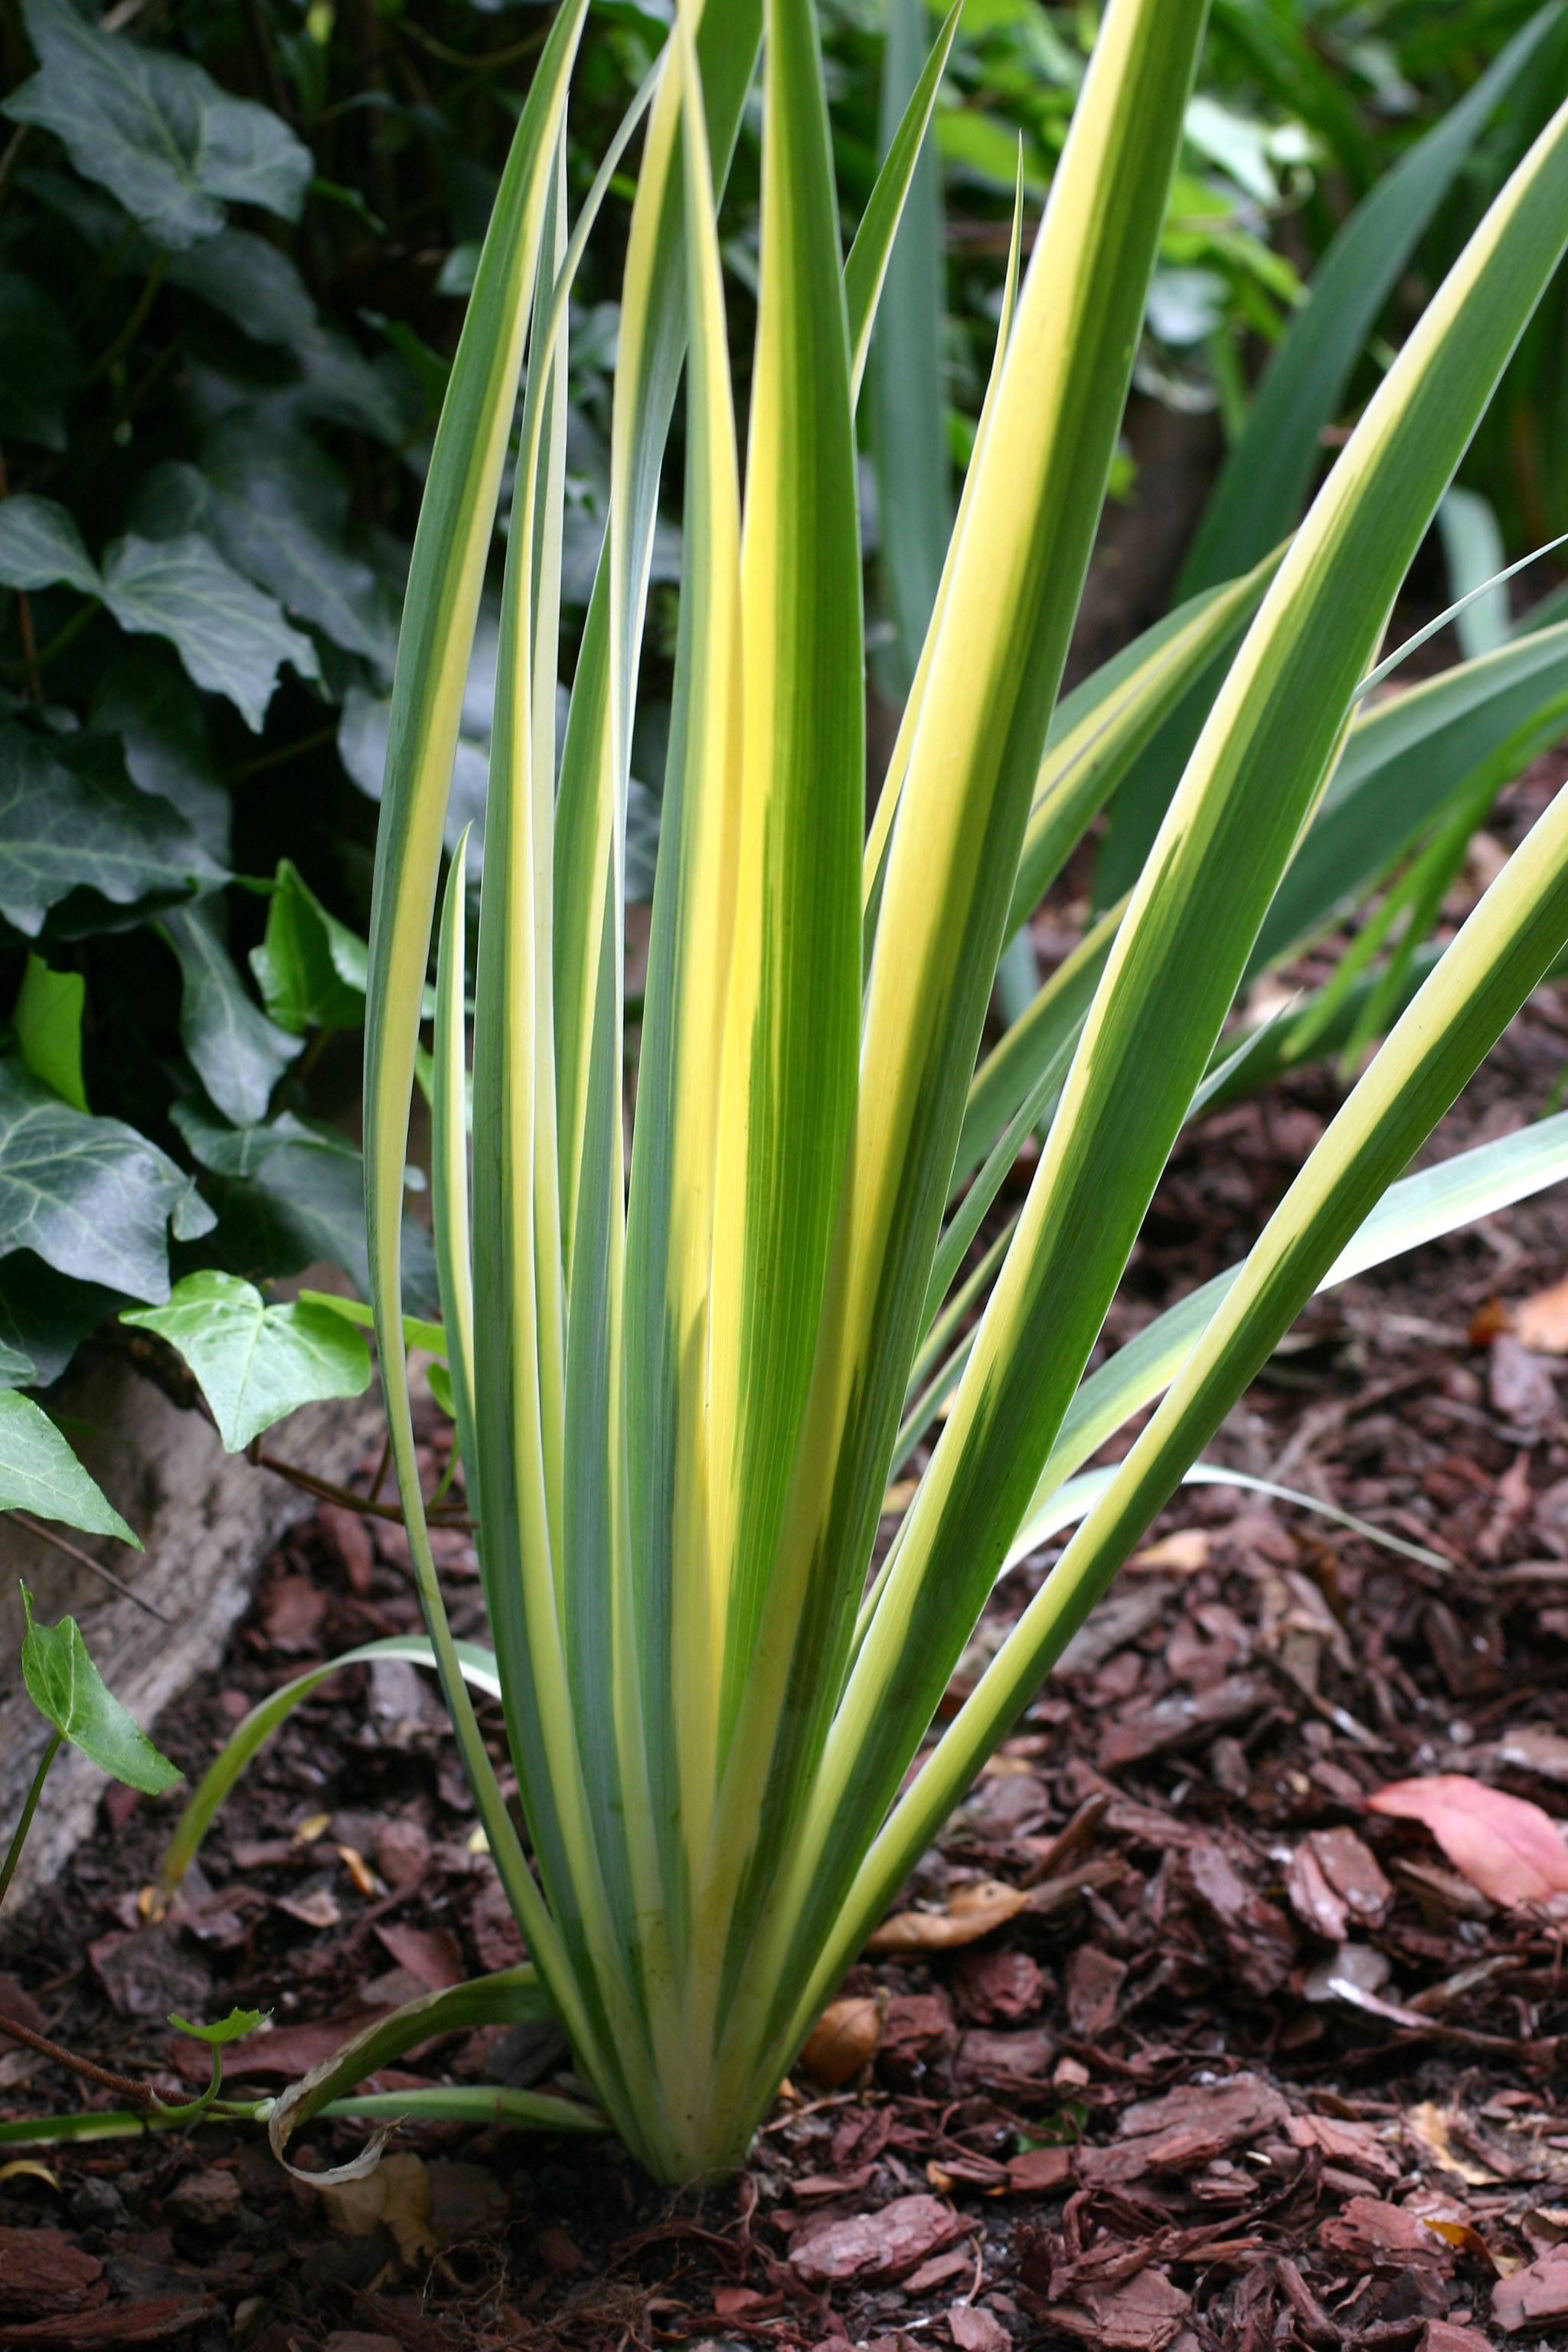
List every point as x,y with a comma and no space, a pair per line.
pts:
1508,1847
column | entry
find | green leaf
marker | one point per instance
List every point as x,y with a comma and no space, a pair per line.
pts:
39,1472
90,1196
155,130
70,819
1476,556
40,547
232,639
148,701
254,1363
288,1193
48,1024
69,1692
907,397
255,284
1267,472
44,1318
232,2027
279,511
236,1052
42,367
311,968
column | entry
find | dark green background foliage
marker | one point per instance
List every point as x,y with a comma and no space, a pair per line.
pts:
234,240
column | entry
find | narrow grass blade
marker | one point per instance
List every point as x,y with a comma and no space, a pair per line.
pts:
903,164
908,394
1269,470
999,640
269,1715
1171,975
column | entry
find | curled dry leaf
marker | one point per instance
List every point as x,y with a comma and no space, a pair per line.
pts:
844,2040
397,2196
973,1912
1505,1845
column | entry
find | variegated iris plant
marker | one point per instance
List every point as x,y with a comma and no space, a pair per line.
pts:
685,1368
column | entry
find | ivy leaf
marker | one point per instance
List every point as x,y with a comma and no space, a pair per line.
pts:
70,819
40,547
279,510
90,1196
364,731
311,969
39,1472
250,281
288,1193
155,130
44,1318
48,1025
41,364
232,639
148,701
254,1363
232,2027
69,1692
237,1053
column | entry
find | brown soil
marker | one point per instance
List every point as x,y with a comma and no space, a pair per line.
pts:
1241,2066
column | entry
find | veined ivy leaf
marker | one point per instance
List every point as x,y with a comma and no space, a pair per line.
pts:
311,968
42,366
44,1318
250,281
39,1472
279,510
236,1052
70,819
155,130
232,639
69,1692
148,701
40,547
255,1363
48,1025
289,1192
90,1196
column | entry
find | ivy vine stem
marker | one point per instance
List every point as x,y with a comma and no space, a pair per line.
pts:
14,1855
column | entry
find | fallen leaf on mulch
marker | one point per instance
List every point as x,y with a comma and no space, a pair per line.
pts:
1505,1845
844,2040
1431,2127
396,2197
973,1912
432,1953
874,2246
1541,1321
1536,2297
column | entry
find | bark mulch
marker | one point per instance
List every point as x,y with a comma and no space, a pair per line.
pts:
1172,2046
